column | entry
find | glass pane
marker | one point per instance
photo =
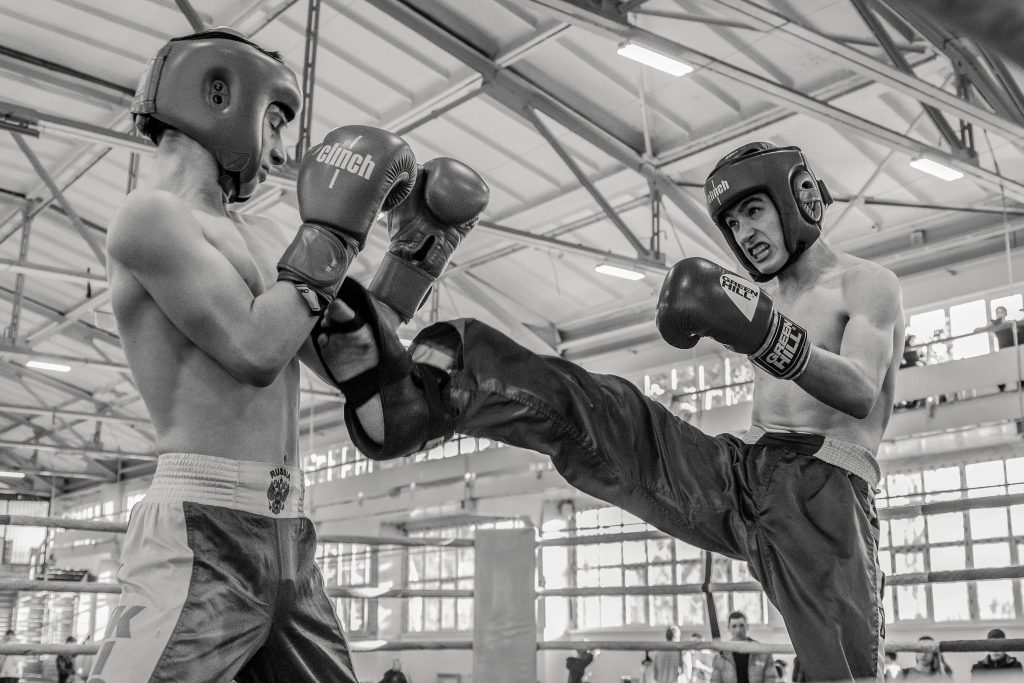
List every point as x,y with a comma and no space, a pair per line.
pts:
432,564
448,614
636,609
751,604
611,576
720,570
611,554
902,485
912,602
609,517
741,571
448,558
634,552
989,523
890,613
1012,303
991,555
995,599
946,528
415,614
611,610
465,614
587,578
634,576
590,612
1015,470
659,574
908,562
431,614
661,609
943,479
948,558
588,555
659,550
908,531
685,551
691,609
950,602
985,474
689,572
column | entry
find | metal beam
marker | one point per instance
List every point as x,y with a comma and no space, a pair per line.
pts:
543,241
19,280
308,78
583,180
75,130
518,95
55,413
51,273
72,450
885,40
48,65
76,222
896,78
191,15
789,97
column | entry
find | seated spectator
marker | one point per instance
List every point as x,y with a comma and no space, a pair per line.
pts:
577,665
927,664
995,661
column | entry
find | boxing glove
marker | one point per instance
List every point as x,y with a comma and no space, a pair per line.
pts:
343,184
701,299
425,230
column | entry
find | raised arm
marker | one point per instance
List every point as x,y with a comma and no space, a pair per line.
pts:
866,352
156,238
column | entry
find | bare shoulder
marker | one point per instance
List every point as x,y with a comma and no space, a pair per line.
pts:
147,219
264,229
867,279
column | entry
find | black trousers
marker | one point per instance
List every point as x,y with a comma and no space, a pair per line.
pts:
808,529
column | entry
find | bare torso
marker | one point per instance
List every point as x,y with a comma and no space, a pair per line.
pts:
823,310
195,404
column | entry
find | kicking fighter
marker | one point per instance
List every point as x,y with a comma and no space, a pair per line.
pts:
793,497
218,575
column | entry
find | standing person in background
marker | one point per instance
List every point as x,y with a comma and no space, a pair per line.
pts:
927,664
742,667
66,663
696,664
668,664
996,663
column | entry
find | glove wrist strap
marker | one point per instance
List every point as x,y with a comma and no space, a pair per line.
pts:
785,351
401,285
316,261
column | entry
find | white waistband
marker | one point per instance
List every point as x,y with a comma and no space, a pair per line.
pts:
853,458
262,488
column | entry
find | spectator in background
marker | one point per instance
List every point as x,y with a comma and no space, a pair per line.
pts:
577,665
10,667
927,664
1002,329
780,669
759,667
696,664
66,663
892,669
911,355
668,664
995,661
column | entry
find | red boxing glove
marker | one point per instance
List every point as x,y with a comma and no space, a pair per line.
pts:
343,183
425,230
701,299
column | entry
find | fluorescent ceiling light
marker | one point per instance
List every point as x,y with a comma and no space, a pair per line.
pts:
936,169
654,59
12,475
615,271
52,367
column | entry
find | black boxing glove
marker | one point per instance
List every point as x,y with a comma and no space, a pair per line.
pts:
343,183
425,230
701,299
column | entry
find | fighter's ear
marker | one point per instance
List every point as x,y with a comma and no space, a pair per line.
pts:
810,197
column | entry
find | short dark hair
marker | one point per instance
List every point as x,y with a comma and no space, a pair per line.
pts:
671,633
736,615
996,633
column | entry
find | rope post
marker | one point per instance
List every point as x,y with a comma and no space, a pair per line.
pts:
504,620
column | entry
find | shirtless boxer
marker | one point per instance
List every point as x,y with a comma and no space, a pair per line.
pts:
793,497
218,575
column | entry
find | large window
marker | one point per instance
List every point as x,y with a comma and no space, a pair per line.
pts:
436,567
651,562
972,539
351,565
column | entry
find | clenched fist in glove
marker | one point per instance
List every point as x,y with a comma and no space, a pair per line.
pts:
702,299
343,183
425,230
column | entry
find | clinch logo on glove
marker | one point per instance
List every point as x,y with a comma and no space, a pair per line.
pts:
279,489
716,191
742,293
344,159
